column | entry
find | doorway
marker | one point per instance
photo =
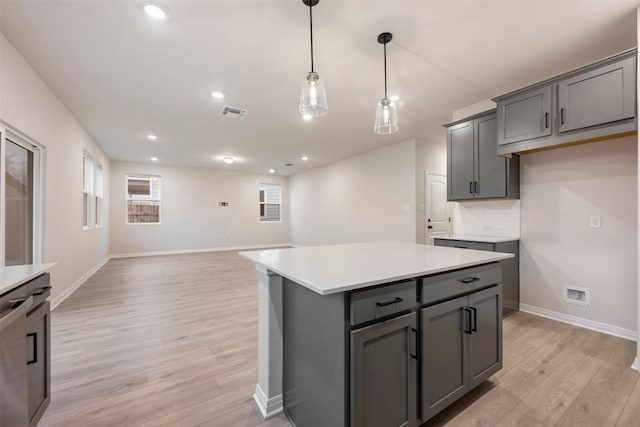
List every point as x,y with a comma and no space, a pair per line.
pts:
437,214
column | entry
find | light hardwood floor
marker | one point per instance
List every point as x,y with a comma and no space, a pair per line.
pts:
172,341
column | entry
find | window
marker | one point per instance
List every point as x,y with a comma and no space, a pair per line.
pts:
92,192
143,199
270,200
88,190
99,196
19,200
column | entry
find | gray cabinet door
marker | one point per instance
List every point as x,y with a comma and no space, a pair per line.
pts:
444,355
485,343
384,374
38,357
491,169
599,96
460,161
525,116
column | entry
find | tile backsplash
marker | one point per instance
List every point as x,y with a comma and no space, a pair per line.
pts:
487,218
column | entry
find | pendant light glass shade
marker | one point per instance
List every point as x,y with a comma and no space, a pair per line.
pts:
386,117
313,98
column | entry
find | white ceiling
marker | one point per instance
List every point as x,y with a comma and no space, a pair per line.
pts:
124,75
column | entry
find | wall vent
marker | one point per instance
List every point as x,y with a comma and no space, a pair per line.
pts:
576,295
236,113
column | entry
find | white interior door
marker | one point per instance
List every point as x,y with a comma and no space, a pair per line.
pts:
438,220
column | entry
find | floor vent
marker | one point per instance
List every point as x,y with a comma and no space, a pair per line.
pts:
575,295
236,113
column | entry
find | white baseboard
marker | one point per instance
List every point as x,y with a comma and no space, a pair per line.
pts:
75,285
636,364
268,407
193,251
583,323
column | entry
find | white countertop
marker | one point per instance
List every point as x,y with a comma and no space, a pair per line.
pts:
16,275
338,268
474,238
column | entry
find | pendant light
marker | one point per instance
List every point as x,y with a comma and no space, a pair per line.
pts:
386,116
313,98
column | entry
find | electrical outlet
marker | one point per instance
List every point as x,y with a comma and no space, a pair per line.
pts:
594,221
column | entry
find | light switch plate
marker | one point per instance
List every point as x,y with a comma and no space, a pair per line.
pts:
594,221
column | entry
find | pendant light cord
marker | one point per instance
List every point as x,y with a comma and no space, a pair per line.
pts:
385,70
311,32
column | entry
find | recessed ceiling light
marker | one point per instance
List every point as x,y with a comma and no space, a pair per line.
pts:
228,160
155,12
152,137
272,171
153,159
307,117
394,98
217,95
304,158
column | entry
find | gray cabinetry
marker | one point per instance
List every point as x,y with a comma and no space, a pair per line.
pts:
384,374
510,267
38,361
474,170
461,347
525,116
597,97
460,162
589,104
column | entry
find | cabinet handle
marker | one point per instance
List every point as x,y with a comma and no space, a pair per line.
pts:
414,355
34,359
471,187
476,187
546,120
42,290
562,116
461,247
474,319
17,301
386,303
467,320
469,280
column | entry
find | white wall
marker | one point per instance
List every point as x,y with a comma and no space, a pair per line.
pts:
370,197
27,104
560,189
487,217
430,157
190,216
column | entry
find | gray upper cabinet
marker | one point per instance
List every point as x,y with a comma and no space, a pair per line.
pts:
592,103
597,97
474,170
525,116
460,161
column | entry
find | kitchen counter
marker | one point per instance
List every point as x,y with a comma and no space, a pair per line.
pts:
14,276
339,268
475,238
324,277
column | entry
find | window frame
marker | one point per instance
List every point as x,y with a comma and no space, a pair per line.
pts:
88,188
127,198
8,133
262,187
98,198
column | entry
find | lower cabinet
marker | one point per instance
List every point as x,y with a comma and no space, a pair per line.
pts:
461,347
38,357
384,374
390,355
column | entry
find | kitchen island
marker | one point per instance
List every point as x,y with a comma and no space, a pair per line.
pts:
343,328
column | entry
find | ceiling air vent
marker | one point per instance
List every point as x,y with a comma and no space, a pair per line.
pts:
236,113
